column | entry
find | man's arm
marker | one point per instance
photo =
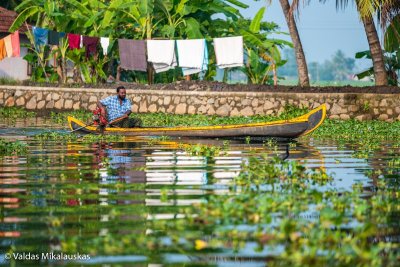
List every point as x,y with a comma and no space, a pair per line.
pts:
103,110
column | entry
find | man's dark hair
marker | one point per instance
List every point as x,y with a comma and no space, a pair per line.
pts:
119,88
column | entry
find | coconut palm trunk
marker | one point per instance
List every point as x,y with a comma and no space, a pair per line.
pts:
376,52
302,69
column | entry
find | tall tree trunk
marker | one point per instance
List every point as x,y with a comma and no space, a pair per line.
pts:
298,48
376,52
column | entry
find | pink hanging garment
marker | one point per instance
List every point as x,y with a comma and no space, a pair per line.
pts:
16,46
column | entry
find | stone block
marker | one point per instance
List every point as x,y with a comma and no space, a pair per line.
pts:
191,110
56,96
59,104
32,103
18,93
211,111
247,111
41,104
68,104
344,116
92,106
10,102
177,99
93,99
235,112
152,108
76,106
50,104
383,117
20,101
223,110
181,108
167,100
143,107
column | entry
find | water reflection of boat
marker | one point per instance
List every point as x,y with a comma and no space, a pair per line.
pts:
291,128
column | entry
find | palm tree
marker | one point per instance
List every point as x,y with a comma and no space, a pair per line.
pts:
302,69
367,9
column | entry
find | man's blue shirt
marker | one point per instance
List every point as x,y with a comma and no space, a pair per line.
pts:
114,108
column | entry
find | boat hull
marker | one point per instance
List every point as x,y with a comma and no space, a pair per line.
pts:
281,129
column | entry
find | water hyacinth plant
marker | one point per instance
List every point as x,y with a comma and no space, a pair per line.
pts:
8,148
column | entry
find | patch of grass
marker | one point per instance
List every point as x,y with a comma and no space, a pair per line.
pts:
9,81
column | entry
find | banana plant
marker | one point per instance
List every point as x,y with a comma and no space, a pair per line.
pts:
257,44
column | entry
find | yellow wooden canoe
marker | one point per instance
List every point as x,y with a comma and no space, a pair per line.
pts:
281,129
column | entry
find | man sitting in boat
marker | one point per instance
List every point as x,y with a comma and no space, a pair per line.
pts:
117,109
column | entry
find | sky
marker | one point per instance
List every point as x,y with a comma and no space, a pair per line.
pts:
323,29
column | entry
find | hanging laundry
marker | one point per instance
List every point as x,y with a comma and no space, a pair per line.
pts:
229,51
105,42
16,46
41,36
90,43
3,52
132,54
8,45
162,54
73,40
54,38
192,55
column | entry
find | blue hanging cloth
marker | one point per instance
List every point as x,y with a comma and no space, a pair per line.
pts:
41,36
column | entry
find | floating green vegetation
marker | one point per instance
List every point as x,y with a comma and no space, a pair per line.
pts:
72,137
15,113
8,148
364,137
294,214
202,150
61,117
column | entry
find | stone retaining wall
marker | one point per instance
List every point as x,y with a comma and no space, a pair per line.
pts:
340,105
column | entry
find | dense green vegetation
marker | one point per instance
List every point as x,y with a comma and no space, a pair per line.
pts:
15,113
147,19
8,148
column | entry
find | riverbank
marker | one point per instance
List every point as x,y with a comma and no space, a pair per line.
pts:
214,99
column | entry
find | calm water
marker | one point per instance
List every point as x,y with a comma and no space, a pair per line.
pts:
62,195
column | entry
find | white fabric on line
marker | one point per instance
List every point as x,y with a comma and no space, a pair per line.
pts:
229,51
161,53
105,42
192,55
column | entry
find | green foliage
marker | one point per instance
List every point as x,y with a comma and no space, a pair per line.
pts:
148,19
72,137
9,81
15,113
366,136
203,150
61,117
392,65
8,148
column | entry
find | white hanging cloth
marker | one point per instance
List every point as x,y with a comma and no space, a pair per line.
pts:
161,53
229,51
105,42
192,55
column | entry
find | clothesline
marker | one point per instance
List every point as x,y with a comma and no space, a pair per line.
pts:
190,55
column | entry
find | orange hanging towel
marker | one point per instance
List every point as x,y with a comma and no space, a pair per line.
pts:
8,45
3,52
16,46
